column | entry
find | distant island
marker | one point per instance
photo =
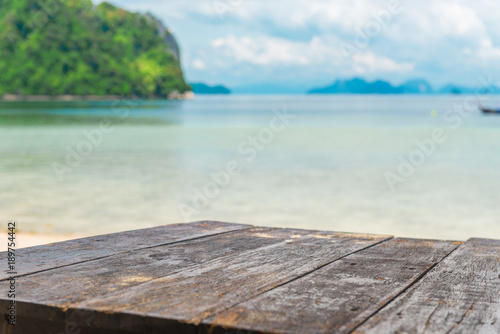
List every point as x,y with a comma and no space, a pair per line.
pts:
415,86
76,48
201,88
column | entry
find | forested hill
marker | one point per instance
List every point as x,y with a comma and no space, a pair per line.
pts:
73,47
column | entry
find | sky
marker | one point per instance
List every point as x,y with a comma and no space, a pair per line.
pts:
295,45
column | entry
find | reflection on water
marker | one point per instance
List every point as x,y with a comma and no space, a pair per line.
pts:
324,171
79,113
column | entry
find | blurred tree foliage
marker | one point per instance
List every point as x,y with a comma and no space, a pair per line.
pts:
56,47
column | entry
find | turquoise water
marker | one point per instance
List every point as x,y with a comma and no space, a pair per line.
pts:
148,163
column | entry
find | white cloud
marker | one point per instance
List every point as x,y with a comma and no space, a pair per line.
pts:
199,64
271,51
368,63
439,39
264,50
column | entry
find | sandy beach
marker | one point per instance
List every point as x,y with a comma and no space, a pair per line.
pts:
24,240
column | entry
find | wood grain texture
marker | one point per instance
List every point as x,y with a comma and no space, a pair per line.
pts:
180,301
34,259
337,297
194,294
460,295
118,273
217,278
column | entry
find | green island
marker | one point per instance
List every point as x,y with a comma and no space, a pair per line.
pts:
73,48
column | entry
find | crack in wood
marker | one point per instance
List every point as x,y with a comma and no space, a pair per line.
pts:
403,291
128,251
296,278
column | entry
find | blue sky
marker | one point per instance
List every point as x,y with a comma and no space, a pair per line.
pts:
294,45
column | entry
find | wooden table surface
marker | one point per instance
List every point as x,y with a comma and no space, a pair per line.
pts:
212,277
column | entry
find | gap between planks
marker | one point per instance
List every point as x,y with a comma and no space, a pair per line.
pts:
344,249
243,317
129,251
201,329
403,290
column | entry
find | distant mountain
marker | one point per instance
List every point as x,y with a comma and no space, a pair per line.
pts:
415,86
360,86
74,47
355,86
201,88
453,89
266,88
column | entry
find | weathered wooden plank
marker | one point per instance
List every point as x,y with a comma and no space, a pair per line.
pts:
34,259
194,294
80,282
182,300
337,297
460,295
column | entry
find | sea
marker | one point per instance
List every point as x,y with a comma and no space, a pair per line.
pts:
425,166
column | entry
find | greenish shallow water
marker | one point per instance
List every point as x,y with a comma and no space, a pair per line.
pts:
325,170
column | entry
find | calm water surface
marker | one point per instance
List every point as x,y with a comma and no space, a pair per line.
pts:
325,170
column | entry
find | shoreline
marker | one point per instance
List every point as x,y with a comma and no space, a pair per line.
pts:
23,240
43,98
